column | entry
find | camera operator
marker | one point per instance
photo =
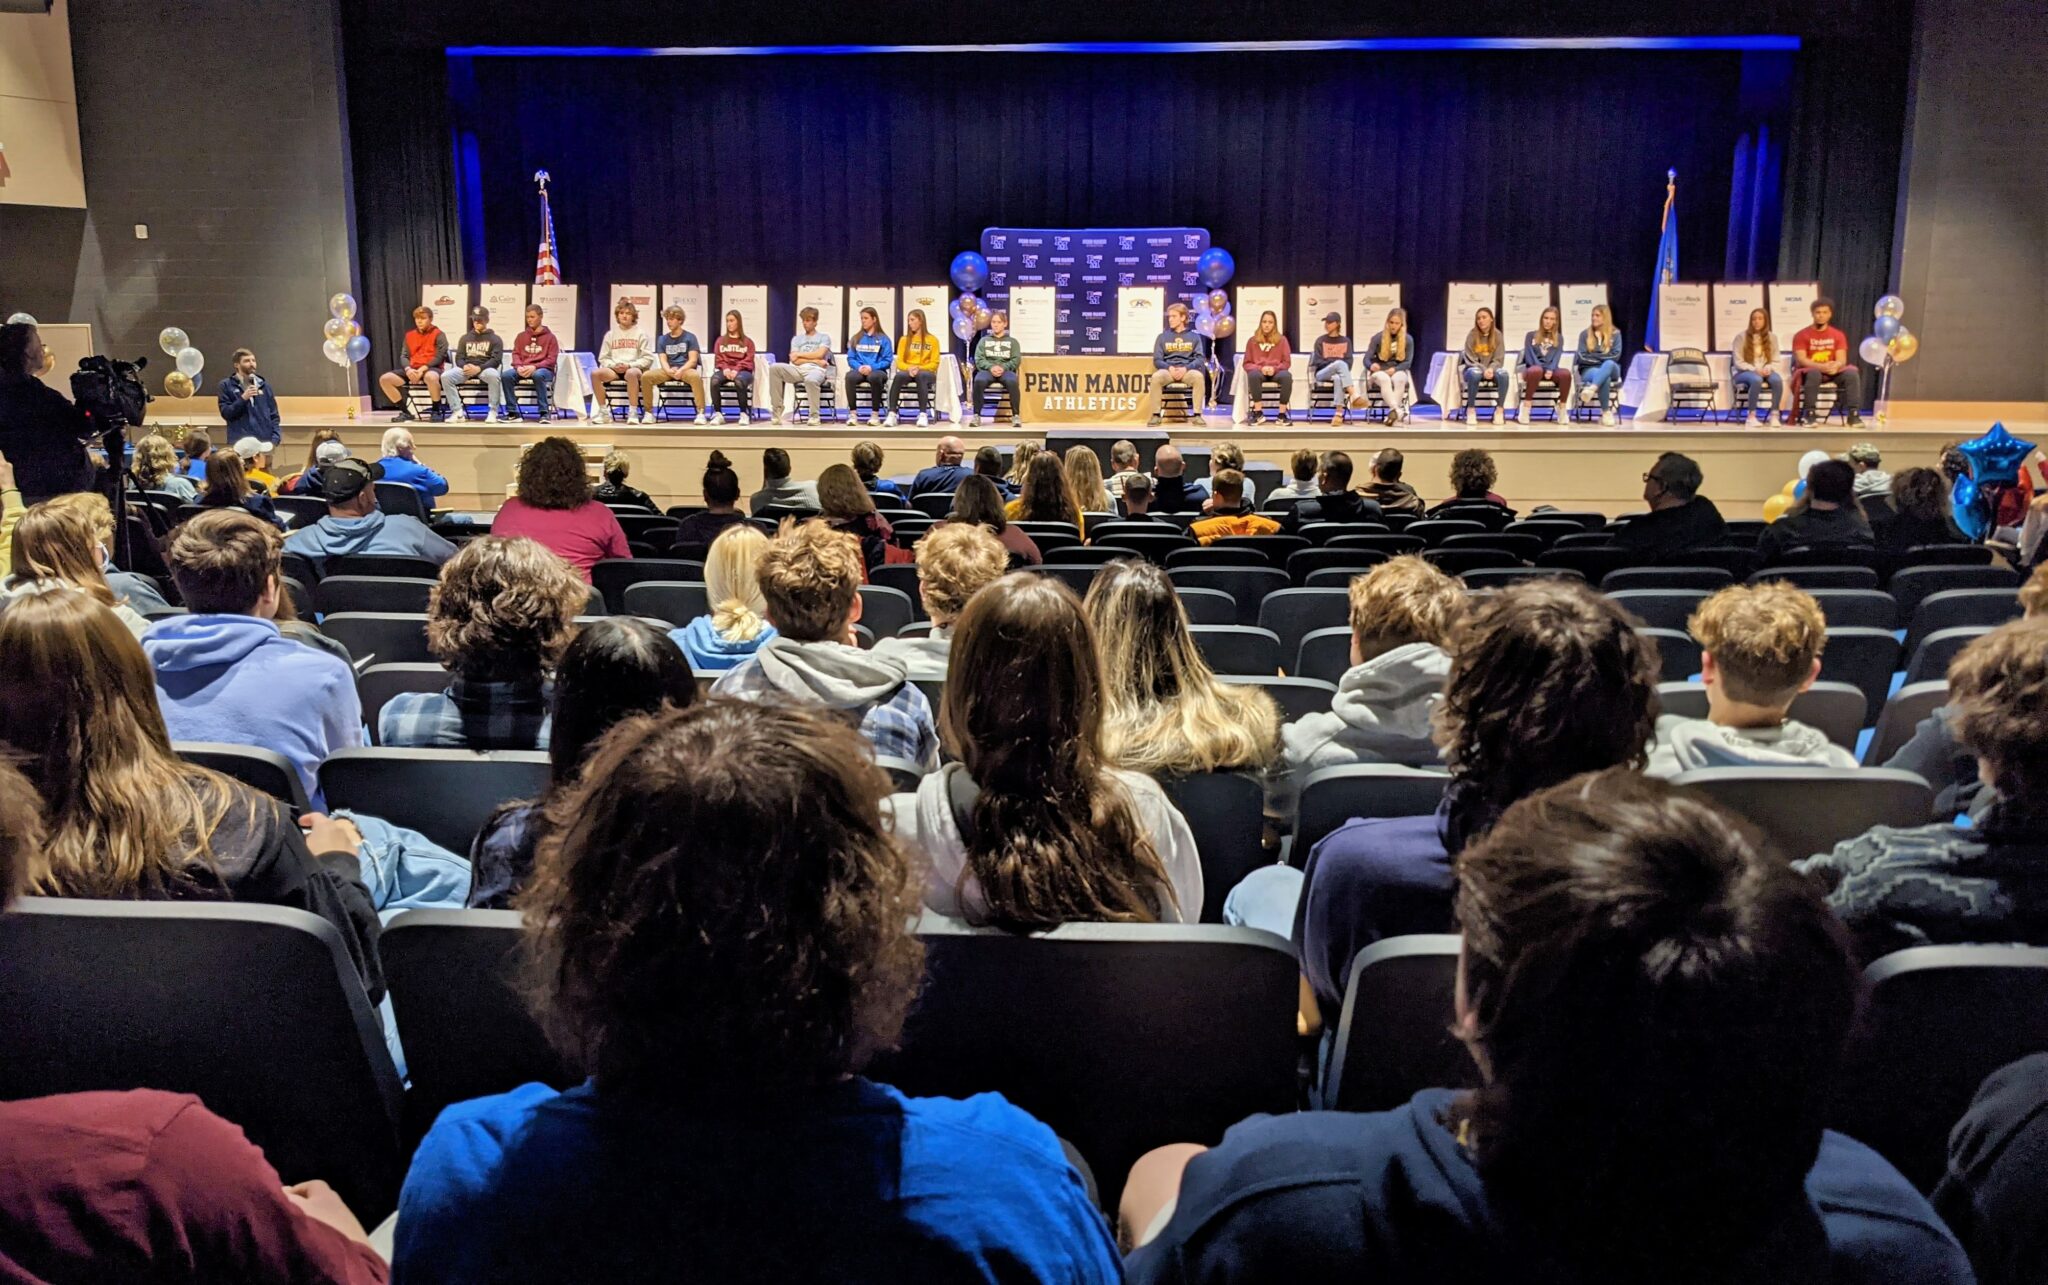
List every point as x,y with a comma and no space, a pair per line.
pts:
40,430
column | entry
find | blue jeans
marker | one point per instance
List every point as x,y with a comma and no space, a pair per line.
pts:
1265,898
1499,385
489,376
543,387
405,870
1604,379
1748,383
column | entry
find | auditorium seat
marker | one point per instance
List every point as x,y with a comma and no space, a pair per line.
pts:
1324,654
1301,565
1330,796
904,775
1678,654
1274,549
1390,545
902,577
389,637
1866,657
1547,528
1079,576
1698,579
1833,708
1818,576
1592,561
653,528
266,771
1249,586
933,504
376,685
1153,545
1238,649
1502,577
1522,545
301,597
256,1009
1960,608
1659,608
612,576
401,499
884,610
1457,562
1861,608
299,510
1296,696
1434,530
1212,556
1740,563
1914,585
1491,517
447,795
1321,533
1808,810
1206,606
1946,555
1292,613
379,564
1902,715
1938,650
1833,555
1394,1035
676,601
1226,812
387,594
1038,530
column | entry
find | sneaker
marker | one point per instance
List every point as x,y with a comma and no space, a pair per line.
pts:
1154,422
1471,417
1258,417
1495,417
1284,419
494,417
1016,421
776,418
974,421
702,420
1337,416
1522,416
1855,420
639,417
403,415
1607,419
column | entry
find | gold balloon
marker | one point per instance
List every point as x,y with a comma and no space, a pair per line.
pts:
1226,327
49,362
1218,301
178,384
1791,491
1774,508
1904,345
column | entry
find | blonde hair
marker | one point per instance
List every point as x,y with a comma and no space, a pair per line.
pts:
618,466
810,576
1397,350
1165,712
2034,593
1226,455
1764,639
1600,325
954,562
1084,478
94,508
1020,461
58,540
155,459
1404,600
737,609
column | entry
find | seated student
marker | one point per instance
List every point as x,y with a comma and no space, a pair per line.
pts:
479,355
1222,456
154,467
618,466
946,471
1267,360
1084,478
1386,487
624,356
131,589
810,578
354,523
1329,362
1230,514
426,357
535,352
955,561
56,545
777,491
1404,614
1483,361
196,447
867,464
401,465
978,501
1473,474
1543,358
256,457
1680,520
917,368
1827,516
1757,387
1179,356
1938,884
809,367
736,626
988,463
1871,479
1165,713
1390,365
678,359
1123,466
1048,496
1172,491
503,611
732,366
734,862
227,486
845,506
1136,505
1302,468
78,705
1919,513
869,357
1034,825
327,447
1334,500
1598,359
615,668
1762,645
1624,943
1991,1195
996,357
721,485
552,506
1821,355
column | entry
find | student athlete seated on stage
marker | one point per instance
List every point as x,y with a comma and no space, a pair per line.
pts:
1483,360
809,367
1828,515
1334,500
1267,360
732,366
1543,358
1755,381
1821,355
1680,519
1623,943
479,354
623,357
996,355
869,357
1762,646
1390,366
1229,514
426,356
917,367
1179,356
535,351
1598,358
1386,487
679,358
1329,363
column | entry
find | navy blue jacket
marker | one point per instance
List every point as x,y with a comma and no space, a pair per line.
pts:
250,417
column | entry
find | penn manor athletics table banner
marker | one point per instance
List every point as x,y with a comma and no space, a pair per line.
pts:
1084,389
1086,267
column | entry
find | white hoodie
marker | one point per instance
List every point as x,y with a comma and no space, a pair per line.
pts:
626,347
1683,744
1380,714
925,822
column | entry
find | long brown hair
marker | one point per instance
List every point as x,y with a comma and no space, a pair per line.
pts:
1052,836
1758,346
227,482
841,497
1084,477
1047,496
320,435
1394,349
58,540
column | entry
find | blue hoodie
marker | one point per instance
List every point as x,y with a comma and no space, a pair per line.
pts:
418,476
873,350
391,534
707,650
238,680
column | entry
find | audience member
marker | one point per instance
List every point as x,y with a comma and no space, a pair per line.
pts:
56,546
127,818
502,612
698,847
131,588
846,508
1020,468
11,513
777,491
1919,513
327,449
613,669
1624,943
618,466
154,467
1991,1196
1172,492
1761,647
1871,479
1048,495
41,430
1034,825
1136,505
810,578
553,507
256,462
1230,513
1223,456
980,502
1680,520
227,486
1828,516
696,531
1978,882
988,463
400,465
946,472
867,463
1164,712
1302,469
955,561
197,447
354,524
1387,489
1334,500
1084,478
1123,466
736,626
1473,474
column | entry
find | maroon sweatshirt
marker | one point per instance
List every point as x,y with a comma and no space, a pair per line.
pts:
535,348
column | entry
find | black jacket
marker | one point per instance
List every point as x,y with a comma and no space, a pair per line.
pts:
43,435
620,493
1331,506
1667,535
1175,495
1843,526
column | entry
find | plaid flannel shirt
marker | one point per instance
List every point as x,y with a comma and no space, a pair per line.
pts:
468,716
900,727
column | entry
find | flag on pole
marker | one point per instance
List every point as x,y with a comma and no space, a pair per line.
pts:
546,270
1667,258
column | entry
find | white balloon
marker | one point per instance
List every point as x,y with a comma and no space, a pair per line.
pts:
21,319
173,340
191,361
334,352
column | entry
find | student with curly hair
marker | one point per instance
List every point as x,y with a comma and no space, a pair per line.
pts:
1919,513
554,507
498,619
955,561
718,933
1473,474
154,467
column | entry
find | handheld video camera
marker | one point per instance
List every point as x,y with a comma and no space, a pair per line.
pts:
110,391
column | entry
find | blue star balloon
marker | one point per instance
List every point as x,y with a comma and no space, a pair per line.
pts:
1995,458
1971,508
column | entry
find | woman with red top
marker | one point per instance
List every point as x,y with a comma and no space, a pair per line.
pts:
554,508
1268,360
732,366
426,355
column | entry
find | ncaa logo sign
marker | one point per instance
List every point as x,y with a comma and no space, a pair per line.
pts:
1158,260
1126,278
1094,260
998,241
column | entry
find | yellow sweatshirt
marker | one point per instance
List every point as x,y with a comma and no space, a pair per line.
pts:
918,352
10,514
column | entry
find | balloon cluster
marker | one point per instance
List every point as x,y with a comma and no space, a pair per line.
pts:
183,381
1212,310
1889,339
1994,467
969,312
345,343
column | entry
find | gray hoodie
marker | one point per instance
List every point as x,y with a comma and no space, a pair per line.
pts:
1380,714
1683,744
836,676
378,532
925,657
1873,482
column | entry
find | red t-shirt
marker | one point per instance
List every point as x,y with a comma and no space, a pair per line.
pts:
581,536
1821,344
151,1186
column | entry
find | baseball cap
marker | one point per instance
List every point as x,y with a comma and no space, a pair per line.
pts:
250,447
329,451
345,479
1864,453
479,313
1333,316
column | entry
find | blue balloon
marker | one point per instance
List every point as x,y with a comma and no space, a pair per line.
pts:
1216,267
1885,328
1971,508
1995,458
970,270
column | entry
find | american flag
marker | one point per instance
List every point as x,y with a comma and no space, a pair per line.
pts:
546,271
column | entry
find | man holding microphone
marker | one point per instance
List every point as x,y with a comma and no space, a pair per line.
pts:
247,404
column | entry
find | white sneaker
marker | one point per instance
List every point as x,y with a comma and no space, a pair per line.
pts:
639,417
924,419
701,419
1522,416
1471,417
491,418
1607,419
777,419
